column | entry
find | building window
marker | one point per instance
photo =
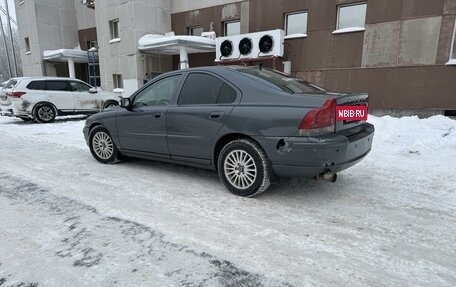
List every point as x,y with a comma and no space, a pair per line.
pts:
296,23
27,46
117,81
232,28
195,31
453,47
351,16
114,29
92,44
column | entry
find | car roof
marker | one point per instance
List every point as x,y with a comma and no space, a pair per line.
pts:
50,78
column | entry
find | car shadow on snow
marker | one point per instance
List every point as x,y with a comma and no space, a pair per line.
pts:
284,188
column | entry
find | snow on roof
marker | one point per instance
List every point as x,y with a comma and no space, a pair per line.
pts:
169,44
61,55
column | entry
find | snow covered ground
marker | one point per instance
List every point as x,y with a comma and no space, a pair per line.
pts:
66,220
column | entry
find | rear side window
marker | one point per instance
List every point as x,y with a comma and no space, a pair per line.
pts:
204,89
37,85
227,95
58,86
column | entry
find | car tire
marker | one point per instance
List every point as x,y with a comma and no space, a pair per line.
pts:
244,168
45,113
110,104
102,145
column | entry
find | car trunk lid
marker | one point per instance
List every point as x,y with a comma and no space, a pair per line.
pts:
351,100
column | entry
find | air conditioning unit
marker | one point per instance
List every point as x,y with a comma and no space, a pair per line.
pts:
270,43
250,46
227,48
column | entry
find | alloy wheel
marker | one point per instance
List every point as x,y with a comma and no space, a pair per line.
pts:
240,169
102,145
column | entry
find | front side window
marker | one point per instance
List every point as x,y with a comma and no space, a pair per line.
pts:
232,28
58,86
351,16
79,86
158,93
114,28
195,31
296,23
204,89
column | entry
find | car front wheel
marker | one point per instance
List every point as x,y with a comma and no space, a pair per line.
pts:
102,146
45,113
244,168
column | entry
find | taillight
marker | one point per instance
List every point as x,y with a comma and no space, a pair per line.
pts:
16,94
319,121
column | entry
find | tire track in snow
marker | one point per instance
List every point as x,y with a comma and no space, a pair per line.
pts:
87,239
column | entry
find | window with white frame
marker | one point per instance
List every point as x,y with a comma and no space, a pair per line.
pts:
232,28
296,23
351,16
195,31
453,48
117,81
114,28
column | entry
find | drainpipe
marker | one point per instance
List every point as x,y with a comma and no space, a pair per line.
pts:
11,37
71,68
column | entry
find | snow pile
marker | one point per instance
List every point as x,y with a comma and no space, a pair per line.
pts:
387,221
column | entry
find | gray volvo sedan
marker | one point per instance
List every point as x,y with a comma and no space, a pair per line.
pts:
251,124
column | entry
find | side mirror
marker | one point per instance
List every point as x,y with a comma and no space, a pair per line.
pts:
125,103
93,90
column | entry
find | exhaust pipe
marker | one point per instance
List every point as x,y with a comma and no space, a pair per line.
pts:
327,176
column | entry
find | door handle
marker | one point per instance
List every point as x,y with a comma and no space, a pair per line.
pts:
157,115
215,115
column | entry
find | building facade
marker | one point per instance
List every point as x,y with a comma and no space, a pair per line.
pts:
402,52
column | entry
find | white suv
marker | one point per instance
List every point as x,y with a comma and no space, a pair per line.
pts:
43,98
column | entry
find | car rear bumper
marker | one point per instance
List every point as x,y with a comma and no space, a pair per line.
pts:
309,157
11,110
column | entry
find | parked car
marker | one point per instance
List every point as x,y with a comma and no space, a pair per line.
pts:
43,98
250,124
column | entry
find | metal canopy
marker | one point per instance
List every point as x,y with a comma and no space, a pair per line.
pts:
170,45
62,55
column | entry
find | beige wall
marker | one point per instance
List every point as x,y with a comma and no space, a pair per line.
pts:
136,18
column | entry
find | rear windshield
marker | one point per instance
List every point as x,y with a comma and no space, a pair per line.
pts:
11,83
281,81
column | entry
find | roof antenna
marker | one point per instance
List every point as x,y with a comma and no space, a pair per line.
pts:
260,66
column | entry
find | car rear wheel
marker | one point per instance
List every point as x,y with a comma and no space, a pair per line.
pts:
45,113
244,168
102,146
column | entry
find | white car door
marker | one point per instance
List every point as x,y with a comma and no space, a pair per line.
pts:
60,94
83,99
